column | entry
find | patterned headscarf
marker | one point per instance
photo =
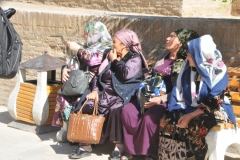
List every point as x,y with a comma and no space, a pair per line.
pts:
98,38
214,77
184,35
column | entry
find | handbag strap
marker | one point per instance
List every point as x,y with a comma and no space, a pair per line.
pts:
95,109
79,64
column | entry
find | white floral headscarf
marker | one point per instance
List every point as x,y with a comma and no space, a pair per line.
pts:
98,38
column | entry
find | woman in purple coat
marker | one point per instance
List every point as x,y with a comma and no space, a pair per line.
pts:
119,77
141,132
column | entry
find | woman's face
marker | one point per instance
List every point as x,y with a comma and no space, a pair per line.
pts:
118,45
85,36
173,43
190,60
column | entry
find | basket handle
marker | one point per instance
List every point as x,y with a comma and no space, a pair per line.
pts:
95,109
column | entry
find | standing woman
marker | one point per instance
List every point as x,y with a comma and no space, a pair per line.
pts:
98,41
141,132
198,97
119,77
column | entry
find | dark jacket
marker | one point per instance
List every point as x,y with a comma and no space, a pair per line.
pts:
126,89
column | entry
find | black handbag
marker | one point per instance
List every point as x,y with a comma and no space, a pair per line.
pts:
78,81
153,85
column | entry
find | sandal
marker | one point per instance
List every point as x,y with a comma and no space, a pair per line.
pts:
126,156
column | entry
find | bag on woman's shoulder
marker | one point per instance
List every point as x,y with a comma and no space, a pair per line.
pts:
85,128
78,81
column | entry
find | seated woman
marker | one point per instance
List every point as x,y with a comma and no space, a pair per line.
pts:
90,54
198,96
119,77
141,132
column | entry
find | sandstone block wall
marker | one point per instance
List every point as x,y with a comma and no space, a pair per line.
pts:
235,8
47,32
184,8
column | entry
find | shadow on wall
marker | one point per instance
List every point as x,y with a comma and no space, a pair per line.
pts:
153,31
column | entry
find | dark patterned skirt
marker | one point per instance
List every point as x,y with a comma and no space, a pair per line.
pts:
194,135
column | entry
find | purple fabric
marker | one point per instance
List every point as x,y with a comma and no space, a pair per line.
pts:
110,104
132,67
129,39
141,132
166,69
93,62
124,71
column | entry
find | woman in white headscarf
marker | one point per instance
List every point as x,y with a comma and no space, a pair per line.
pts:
98,43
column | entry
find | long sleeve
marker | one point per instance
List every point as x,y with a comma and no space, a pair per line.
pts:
94,86
129,69
92,61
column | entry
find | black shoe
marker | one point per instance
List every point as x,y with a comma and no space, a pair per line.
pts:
79,154
74,151
115,154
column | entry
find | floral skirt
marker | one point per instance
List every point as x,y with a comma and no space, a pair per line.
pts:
61,103
195,134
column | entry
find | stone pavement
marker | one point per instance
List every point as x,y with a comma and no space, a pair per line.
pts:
21,145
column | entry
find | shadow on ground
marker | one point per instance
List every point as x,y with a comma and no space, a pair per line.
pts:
67,147
5,117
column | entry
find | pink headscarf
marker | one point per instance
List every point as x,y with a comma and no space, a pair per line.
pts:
130,40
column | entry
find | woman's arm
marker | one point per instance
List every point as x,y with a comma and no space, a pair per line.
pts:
90,60
185,119
129,69
94,86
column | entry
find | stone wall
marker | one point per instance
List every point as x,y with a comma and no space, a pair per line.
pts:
235,8
161,7
184,8
42,31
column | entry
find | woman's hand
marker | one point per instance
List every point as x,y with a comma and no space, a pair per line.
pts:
152,102
65,74
73,46
112,55
92,96
184,121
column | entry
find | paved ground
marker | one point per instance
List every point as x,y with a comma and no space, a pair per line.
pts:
21,145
